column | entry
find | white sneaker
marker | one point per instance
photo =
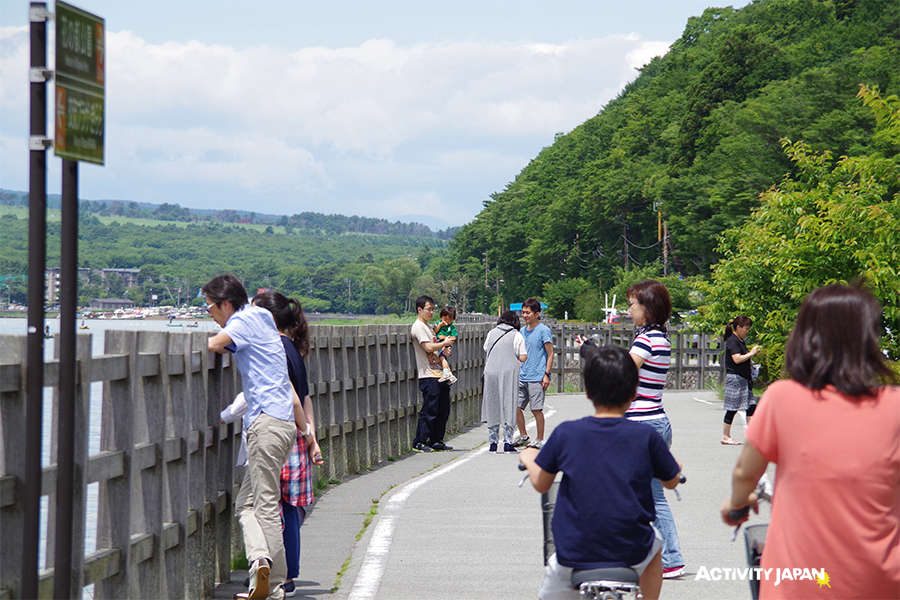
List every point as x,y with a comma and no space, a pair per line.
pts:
445,376
452,379
537,444
673,572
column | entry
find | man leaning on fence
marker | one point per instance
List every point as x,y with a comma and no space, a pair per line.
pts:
249,332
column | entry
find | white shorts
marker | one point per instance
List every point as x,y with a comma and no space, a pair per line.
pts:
557,583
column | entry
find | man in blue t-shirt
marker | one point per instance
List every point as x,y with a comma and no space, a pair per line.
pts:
534,375
604,508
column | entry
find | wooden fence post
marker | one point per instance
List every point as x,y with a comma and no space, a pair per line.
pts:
387,403
114,524
175,471
12,461
148,437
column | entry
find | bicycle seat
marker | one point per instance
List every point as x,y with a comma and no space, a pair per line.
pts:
619,574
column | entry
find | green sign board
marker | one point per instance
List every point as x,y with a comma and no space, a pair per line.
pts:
80,79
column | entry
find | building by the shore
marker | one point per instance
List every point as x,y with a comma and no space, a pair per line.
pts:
52,280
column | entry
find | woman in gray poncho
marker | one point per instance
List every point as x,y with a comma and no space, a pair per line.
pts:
505,350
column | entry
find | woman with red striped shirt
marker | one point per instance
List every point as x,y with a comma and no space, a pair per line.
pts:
650,307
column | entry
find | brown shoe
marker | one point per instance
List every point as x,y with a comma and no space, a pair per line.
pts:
259,582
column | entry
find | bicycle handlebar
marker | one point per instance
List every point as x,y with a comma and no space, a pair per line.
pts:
681,479
739,513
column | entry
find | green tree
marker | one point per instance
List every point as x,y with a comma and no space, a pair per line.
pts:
833,222
115,285
561,296
395,280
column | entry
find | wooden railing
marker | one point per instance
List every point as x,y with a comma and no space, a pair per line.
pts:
696,357
165,469
165,466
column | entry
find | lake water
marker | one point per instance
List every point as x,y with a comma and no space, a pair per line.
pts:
97,329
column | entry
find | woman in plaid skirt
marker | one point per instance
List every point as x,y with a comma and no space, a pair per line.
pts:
297,473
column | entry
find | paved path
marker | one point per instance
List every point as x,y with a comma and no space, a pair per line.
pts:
455,526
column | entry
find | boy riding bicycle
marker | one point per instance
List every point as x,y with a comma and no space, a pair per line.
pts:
604,508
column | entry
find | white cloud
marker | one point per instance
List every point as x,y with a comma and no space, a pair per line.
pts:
307,124
372,98
255,163
645,52
410,203
14,61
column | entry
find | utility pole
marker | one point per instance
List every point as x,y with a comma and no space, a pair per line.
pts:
665,249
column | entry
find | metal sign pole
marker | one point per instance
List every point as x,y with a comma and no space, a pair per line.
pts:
79,120
65,455
37,258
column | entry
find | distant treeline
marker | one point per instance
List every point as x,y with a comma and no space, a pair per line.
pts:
361,273
174,212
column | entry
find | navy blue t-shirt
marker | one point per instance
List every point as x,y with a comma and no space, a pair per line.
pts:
296,368
605,505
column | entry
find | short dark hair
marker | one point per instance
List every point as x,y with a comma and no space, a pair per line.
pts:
738,321
835,341
510,318
533,304
226,288
655,299
421,301
610,377
449,311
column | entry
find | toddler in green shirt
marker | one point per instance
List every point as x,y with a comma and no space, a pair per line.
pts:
443,329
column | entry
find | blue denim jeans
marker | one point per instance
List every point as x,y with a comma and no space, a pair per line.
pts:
293,517
665,523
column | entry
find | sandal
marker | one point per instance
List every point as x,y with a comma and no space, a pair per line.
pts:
730,442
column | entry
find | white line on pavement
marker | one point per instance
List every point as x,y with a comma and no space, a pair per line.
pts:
369,577
704,401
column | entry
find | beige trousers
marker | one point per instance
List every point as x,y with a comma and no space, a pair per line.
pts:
269,440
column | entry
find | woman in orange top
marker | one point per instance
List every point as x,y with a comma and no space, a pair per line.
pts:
834,432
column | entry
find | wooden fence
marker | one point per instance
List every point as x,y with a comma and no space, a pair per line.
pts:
165,470
696,361
696,356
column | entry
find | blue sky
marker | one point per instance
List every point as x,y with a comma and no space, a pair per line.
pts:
404,110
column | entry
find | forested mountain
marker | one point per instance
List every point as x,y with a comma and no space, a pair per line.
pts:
697,136
337,272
